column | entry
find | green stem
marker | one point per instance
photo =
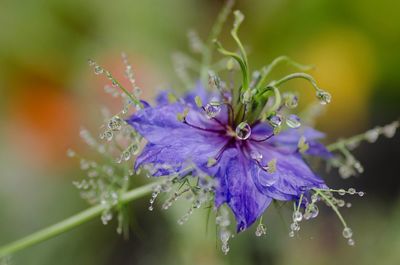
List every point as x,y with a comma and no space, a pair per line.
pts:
267,70
71,222
295,76
334,208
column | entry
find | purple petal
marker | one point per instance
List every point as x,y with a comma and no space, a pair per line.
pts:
160,125
291,178
289,139
238,190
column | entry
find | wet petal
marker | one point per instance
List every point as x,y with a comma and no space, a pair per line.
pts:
291,178
238,190
160,125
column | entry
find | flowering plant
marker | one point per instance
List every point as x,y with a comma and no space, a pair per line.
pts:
234,148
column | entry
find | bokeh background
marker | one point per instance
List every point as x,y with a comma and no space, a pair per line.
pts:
47,92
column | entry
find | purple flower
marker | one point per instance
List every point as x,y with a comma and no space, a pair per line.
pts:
250,164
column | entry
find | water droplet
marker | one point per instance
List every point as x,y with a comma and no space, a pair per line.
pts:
291,234
212,110
297,216
347,232
313,210
225,248
126,155
224,235
372,135
261,230
106,217
357,165
291,100
390,130
108,135
342,192
351,191
340,203
360,193
293,121
84,164
324,97
314,198
275,120
295,226
256,155
246,97
243,131
98,70
345,171
351,242
115,124
348,205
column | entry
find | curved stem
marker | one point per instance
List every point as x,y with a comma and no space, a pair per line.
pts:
277,102
295,76
71,222
267,70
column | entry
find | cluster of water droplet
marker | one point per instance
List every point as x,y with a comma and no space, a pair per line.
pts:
101,185
346,163
105,180
261,230
223,222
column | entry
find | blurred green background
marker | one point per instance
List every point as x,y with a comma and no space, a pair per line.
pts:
47,92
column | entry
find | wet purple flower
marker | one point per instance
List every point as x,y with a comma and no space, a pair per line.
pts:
251,165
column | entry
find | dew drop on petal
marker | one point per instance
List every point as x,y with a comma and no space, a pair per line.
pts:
293,121
275,120
256,155
243,131
212,110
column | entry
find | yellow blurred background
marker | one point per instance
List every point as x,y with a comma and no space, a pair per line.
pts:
47,92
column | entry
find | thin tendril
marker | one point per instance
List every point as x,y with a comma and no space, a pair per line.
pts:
262,140
202,129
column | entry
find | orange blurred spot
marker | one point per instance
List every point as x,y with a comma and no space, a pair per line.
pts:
43,123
